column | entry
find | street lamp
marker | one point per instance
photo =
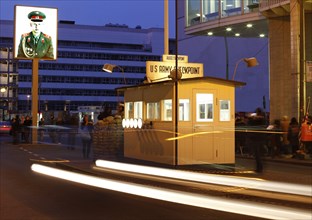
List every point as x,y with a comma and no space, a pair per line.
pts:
250,62
3,90
28,107
110,67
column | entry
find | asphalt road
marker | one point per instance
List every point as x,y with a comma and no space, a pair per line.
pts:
29,195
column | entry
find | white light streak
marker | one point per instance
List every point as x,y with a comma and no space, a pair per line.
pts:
258,184
233,206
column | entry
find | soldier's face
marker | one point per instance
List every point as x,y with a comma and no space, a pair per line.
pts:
35,26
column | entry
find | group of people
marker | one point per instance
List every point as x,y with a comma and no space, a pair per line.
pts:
280,138
20,129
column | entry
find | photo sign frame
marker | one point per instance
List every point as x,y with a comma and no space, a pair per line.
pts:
35,33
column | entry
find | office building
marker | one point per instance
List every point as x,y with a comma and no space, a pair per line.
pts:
76,78
287,26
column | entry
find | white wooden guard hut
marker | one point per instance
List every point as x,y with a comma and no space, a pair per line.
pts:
203,133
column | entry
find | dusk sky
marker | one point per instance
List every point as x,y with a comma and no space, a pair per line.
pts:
146,13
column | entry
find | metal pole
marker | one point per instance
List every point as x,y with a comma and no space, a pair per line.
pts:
302,97
176,102
226,57
166,28
34,96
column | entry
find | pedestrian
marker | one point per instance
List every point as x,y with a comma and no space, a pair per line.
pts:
285,142
72,133
275,139
59,132
86,128
257,137
52,130
41,129
27,124
293,135
22,130
15,130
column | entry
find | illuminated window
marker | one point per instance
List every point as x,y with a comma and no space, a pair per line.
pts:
204,107
167,110
184,110
138,110
225,110
210,10
153,110
129,112
193,12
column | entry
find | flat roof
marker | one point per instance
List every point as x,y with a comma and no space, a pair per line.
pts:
195,79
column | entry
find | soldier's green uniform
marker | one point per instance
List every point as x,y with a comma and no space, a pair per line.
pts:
32,47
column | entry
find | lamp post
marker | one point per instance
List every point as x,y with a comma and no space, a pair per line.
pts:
3,90
28,107
251,62
110,67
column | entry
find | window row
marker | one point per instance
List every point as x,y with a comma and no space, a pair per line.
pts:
91,45
70,92
78,67
156,111
204,10
60,105
78,80
162,111
107,56
100,45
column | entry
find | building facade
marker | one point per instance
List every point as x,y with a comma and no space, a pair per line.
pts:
287,27
76,78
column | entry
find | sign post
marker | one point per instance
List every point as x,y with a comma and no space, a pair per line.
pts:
34,95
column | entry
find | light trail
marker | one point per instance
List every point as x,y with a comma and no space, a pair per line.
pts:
258,184
232,206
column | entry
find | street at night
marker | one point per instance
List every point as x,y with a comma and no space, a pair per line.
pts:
26,194
163,109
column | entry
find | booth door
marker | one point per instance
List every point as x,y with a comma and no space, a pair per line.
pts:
203,126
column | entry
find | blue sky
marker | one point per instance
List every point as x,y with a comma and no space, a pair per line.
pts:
146,13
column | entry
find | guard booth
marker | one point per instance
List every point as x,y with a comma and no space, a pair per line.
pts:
203,133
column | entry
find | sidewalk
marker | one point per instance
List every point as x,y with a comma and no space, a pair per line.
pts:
76,160
281,159
73,160
244,166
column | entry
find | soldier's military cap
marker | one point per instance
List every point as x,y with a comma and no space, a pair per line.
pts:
36,16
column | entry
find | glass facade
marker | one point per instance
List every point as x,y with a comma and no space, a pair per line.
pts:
198,11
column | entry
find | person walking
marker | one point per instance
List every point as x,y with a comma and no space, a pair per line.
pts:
15,130
293,135
85,131
27,124
285,142
41,129
257,137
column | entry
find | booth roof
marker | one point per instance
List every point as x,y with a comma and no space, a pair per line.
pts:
206,78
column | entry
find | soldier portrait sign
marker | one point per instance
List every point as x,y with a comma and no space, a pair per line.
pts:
35,33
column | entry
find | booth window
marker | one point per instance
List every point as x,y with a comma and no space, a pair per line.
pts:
153,111
167,110
134,110
138,110
184,110
129,112
224,110
204,107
